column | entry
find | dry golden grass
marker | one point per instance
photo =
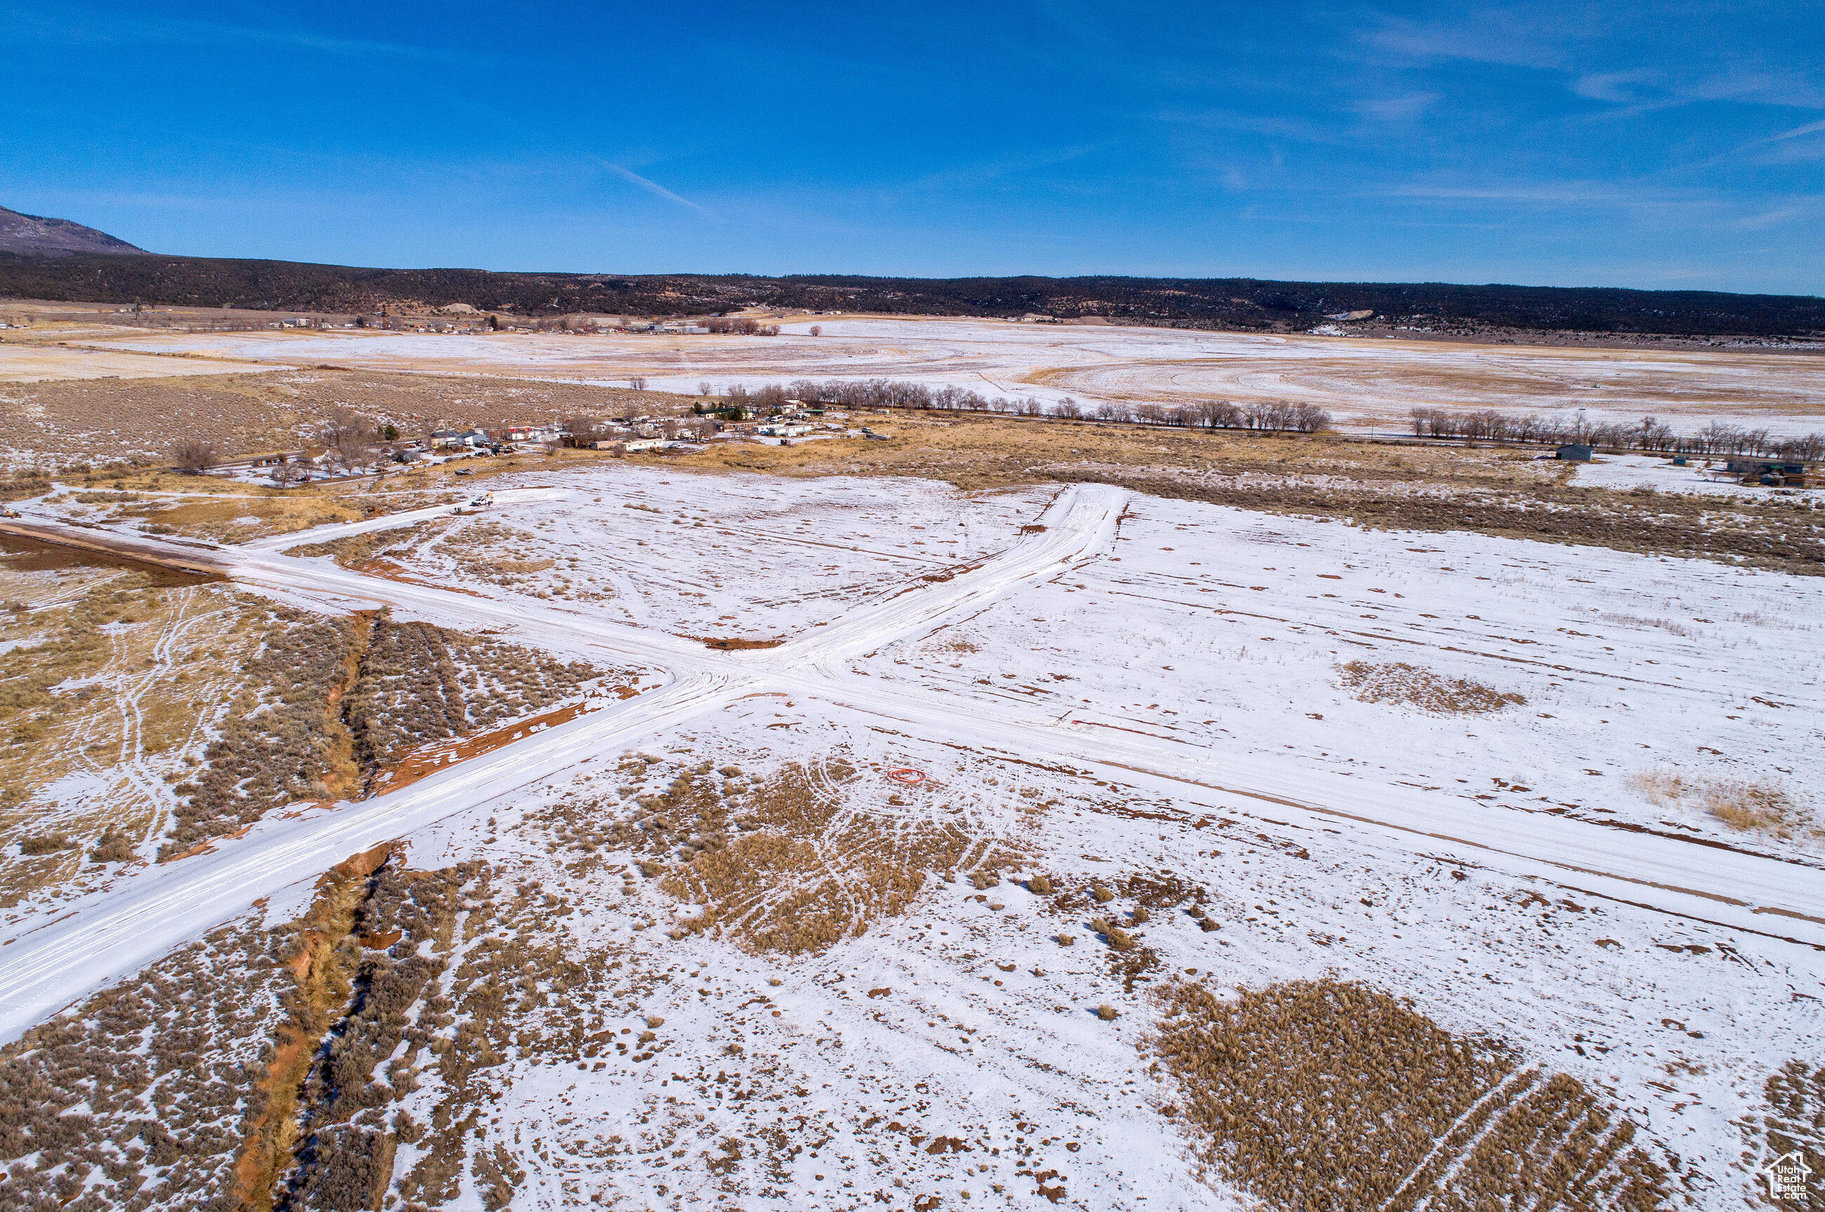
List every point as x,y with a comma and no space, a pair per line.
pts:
1751,805
810,862
1660,786
233,519
1411,686
1327,1095
991,451
116,676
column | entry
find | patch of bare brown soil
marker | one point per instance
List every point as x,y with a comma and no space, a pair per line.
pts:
421,763
734,644
48,548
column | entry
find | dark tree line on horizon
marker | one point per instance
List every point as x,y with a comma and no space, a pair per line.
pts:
1227,303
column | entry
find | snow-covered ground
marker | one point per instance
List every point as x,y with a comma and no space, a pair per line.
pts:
1361,382
965,1018
747,557
1215,627
37,361
1099,687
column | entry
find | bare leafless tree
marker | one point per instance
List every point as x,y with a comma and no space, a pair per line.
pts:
584,430
349,437
195,456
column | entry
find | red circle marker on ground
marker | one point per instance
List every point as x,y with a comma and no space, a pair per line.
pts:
907,775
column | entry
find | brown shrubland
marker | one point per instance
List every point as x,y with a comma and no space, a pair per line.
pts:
807,869
1324,1094
325,703
162,1064
1792,1116
793,861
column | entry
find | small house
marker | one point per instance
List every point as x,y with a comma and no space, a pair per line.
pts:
1574,452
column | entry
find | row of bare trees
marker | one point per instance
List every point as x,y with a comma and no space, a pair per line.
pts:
1647,434
743,325
1265,416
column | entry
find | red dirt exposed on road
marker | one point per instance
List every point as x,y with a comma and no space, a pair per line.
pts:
442,756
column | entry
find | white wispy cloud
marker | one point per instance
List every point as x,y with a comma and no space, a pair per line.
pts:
654,188
1798,132
72,26
1620,88
1395,109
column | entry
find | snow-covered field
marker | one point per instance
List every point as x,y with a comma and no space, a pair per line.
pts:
1361,382
1482,775
23,362
751,558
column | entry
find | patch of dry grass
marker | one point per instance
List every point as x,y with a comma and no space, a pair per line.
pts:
237,518
116,676
801,859
1751,805
1407,685
1324,1094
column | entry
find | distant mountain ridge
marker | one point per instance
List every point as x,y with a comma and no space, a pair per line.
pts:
56,259
38,236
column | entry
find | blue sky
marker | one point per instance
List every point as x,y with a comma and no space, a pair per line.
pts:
1630,144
